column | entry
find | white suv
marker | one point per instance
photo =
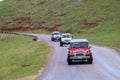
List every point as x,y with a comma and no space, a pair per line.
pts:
65,38
56,36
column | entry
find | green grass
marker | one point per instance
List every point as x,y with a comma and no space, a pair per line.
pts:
20,56
71,14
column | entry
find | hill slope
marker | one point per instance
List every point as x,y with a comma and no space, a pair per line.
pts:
97,20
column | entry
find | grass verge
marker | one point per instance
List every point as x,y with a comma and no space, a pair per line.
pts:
20,56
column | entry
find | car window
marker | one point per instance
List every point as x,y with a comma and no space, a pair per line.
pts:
56,33
66,36
79,44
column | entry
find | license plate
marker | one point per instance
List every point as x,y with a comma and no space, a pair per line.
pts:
67,42
80,57
77,57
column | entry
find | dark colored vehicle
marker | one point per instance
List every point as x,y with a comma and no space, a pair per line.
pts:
79,50
56,36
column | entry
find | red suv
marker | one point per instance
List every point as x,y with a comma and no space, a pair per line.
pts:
79,50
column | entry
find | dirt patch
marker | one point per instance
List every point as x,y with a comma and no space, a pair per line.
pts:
55,27
90,25
63,14
41,26
21,29
25,24
38,3
20,0
21,21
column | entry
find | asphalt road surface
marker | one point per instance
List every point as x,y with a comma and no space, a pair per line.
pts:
106,64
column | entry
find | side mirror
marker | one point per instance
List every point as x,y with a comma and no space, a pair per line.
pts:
60,38
89,46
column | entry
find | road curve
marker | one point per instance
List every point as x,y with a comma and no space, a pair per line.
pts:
105,64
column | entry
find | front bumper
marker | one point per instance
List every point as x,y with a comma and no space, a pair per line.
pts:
56,38
66,42
80,57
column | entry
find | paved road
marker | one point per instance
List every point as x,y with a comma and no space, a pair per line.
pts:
106,64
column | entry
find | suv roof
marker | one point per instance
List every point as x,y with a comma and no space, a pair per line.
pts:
56,32
66,34
78,40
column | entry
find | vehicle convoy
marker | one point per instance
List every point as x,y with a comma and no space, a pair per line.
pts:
65,39
79,50
56,36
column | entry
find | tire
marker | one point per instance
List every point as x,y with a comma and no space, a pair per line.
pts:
69,61
61,44
60,39
52,39
91,59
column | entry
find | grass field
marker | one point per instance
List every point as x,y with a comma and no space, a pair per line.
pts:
20,56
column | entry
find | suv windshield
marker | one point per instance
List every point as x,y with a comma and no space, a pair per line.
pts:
66,36
56,34
79,45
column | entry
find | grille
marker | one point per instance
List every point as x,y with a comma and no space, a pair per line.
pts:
67,40
79,54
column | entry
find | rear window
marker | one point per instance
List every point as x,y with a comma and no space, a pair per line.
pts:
79,45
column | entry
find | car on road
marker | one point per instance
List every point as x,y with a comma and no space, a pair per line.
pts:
65,39
56,36
79,50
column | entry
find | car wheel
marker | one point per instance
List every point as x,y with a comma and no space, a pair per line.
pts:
69,61
61,44
90,60
60,39
52,39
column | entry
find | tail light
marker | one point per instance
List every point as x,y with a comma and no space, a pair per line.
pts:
87,53
71,54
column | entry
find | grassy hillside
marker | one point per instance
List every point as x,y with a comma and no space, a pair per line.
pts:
20,56
97,20
68,15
